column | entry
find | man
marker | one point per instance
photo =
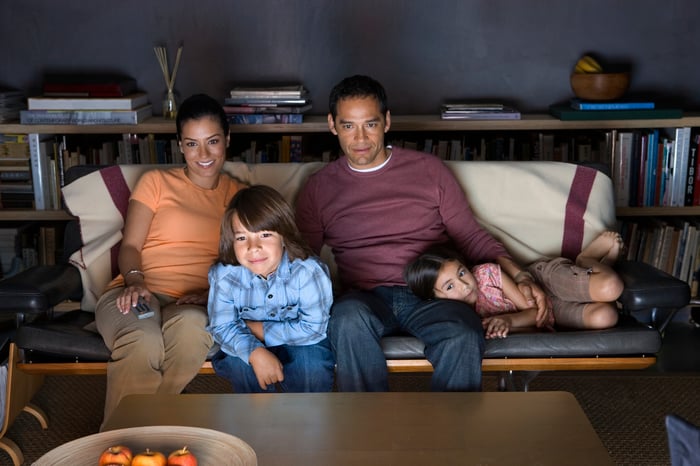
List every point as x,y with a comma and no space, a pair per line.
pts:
378,208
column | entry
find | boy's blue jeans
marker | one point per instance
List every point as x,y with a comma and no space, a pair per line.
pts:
306,369
451,331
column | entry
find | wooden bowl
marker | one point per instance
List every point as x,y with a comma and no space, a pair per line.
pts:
209,446
599,86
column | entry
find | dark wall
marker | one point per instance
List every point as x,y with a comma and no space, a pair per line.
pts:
425,52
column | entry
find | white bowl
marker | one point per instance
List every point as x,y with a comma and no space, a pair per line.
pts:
209,446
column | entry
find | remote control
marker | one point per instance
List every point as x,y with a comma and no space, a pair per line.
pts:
142,309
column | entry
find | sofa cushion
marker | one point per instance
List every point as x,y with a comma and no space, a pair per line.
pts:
67,338
538,209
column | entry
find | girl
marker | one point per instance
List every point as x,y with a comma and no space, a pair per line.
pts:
269,300
582,294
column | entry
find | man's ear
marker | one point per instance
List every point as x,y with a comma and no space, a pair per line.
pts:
387,124
331,124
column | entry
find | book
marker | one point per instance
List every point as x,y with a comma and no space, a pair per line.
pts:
294,91
39,159
622,170
579,104
265,101
478,112
690,179
129,102
266,109
88,85
566,113
86,117
679,166
266,118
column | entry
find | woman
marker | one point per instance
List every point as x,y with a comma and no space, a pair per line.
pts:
171,237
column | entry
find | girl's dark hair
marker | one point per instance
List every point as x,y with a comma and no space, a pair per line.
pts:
357,86
261,208
200,106
421,274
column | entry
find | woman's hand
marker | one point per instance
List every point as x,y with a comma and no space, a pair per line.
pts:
130,297
267,368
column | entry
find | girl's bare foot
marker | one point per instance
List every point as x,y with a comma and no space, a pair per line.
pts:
604,248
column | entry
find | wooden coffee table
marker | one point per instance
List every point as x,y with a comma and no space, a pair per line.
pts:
417,428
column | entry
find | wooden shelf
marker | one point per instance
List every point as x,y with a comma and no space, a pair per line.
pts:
34,215
658,211
319,124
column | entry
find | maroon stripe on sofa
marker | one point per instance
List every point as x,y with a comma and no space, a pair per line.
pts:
576,205
120,192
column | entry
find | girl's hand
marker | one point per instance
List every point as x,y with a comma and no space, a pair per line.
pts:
496,327
130,296
267,368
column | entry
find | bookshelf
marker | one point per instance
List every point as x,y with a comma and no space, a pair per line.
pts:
317,124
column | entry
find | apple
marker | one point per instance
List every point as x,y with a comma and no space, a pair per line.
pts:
182,457
117,455
149,458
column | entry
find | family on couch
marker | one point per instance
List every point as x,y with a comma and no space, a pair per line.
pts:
377,207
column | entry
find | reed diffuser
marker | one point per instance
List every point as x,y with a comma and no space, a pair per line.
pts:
169,101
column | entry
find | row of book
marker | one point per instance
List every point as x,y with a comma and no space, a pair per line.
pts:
656,168
671,246
27,245
545,146
49,157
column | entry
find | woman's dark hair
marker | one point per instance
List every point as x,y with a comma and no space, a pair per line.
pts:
357,86
421,274
261,208
200,106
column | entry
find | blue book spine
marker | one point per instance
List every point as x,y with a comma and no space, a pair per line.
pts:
577,104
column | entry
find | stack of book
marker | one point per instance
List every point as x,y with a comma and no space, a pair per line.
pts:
267,104
15,174
478,111
88,100
578,109
11,102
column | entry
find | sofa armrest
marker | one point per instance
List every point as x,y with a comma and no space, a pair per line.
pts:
38,289
647,287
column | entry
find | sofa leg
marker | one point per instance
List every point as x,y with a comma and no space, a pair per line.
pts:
13,450
508,381
38,414
21,388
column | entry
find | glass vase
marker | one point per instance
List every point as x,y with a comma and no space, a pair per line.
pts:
170,105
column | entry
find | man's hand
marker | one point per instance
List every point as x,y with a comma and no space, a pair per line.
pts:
536,298
267,368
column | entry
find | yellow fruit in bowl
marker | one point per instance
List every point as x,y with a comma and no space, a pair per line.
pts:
588,64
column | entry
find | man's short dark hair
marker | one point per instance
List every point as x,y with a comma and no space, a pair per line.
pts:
357,86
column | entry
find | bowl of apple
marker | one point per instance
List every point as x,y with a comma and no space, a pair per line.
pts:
153,446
